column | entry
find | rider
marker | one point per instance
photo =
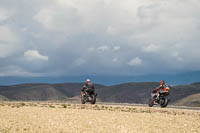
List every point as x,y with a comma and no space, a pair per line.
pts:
163,87
89,87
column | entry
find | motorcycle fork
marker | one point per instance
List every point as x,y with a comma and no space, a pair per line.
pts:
158,96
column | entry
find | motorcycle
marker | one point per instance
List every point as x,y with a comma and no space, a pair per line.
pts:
86,97
160,98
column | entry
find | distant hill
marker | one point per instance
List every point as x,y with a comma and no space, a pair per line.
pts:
42,92
31,92
182,91
127,92
135,92
3,98
140,92
189,94
192,100
170,78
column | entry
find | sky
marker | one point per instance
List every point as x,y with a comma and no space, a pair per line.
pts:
98,37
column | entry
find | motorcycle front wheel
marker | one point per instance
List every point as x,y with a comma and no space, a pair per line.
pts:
93,99
164,102
82,100
150,102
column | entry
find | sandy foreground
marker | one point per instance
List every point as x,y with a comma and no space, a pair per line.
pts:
75,118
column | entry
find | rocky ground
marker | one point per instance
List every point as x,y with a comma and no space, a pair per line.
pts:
38,117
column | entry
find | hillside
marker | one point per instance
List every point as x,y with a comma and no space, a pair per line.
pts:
127,92
183,91
42,92
192,100
31,92
138,92
3,98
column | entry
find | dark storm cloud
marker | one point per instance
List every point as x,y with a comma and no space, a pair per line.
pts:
108,37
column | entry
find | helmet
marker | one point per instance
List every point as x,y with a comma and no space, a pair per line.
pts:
162,82
88,80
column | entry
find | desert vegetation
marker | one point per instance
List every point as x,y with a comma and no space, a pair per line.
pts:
48,117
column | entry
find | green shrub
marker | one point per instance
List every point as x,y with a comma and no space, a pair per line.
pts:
23,104
64,105
198,105
51,106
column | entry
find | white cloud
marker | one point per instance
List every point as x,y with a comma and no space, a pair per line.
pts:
34,54
3,14
103,48
45,17
177,56
116,48
79,62
111,30
8,42
135,62
151,48
13,70
59,19
91,49
7,35
115,60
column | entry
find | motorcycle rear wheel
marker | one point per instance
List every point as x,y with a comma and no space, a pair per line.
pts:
164,102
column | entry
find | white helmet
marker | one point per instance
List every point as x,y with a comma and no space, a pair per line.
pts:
88,80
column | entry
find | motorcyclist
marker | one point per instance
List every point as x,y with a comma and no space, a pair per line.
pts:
89,87
163,87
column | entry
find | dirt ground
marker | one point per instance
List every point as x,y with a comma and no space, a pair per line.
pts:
74,118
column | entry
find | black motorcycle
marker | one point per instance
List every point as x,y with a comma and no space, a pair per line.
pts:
161,98
86,97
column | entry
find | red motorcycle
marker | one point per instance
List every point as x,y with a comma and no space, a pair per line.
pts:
160,97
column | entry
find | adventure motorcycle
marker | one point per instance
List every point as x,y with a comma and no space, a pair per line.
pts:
160,98
86,97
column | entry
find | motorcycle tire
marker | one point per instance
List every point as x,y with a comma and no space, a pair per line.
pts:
164,102
150,102
82,100
93,99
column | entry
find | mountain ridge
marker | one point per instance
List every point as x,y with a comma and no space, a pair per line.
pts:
180,78
132,92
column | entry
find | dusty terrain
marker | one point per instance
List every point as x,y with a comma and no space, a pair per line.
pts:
27,117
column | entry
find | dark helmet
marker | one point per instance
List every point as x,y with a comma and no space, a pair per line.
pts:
162,82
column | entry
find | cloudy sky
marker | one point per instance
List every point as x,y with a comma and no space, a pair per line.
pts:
98,37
